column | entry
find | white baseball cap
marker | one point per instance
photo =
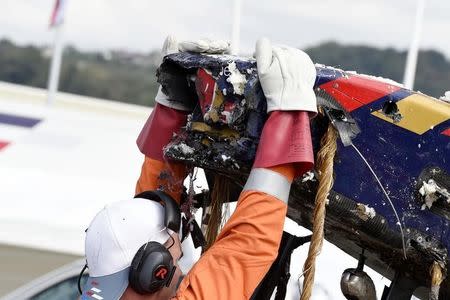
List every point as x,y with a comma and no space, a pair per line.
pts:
114,236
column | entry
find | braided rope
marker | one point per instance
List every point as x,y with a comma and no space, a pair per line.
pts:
219,195
325,164
436,279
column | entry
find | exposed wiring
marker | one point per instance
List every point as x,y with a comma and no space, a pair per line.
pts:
387,196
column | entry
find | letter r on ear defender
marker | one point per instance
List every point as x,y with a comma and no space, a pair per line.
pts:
161,273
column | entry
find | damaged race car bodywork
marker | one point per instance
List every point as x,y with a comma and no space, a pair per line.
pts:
391,191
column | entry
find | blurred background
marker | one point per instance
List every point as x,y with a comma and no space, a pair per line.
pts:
62,160
112,47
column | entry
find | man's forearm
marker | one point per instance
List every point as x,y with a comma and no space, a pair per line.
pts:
249,242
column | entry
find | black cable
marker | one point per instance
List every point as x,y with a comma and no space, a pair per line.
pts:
173,241
79,279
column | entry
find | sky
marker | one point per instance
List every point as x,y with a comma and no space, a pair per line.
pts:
142,25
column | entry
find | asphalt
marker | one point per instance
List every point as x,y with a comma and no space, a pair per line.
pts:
20,265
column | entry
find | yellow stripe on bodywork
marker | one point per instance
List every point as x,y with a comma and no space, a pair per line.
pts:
419,113
220,133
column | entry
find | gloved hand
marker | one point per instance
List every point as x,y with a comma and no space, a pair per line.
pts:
287,77
205,46
166,119
200,46
169,116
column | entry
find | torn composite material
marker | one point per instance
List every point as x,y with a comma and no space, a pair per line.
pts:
403,136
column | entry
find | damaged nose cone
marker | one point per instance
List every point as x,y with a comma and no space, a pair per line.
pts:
357,285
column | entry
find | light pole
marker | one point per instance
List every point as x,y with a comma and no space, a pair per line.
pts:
411,60
236,26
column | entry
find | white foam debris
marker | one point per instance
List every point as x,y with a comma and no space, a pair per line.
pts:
446,97
185,149
378,78
237,79
225,157
309,176
371,212
385,80
221,56
365,212
330,68
432,192
192,77
227,115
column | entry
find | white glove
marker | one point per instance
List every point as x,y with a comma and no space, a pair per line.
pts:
287,77
200,46
205,46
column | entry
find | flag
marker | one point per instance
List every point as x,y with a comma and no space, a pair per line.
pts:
57,17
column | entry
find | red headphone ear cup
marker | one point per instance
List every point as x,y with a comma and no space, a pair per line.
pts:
151,268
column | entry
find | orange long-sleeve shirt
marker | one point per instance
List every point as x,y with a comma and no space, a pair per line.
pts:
247,245
164,175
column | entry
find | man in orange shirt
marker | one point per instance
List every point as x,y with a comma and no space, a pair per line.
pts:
248,244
